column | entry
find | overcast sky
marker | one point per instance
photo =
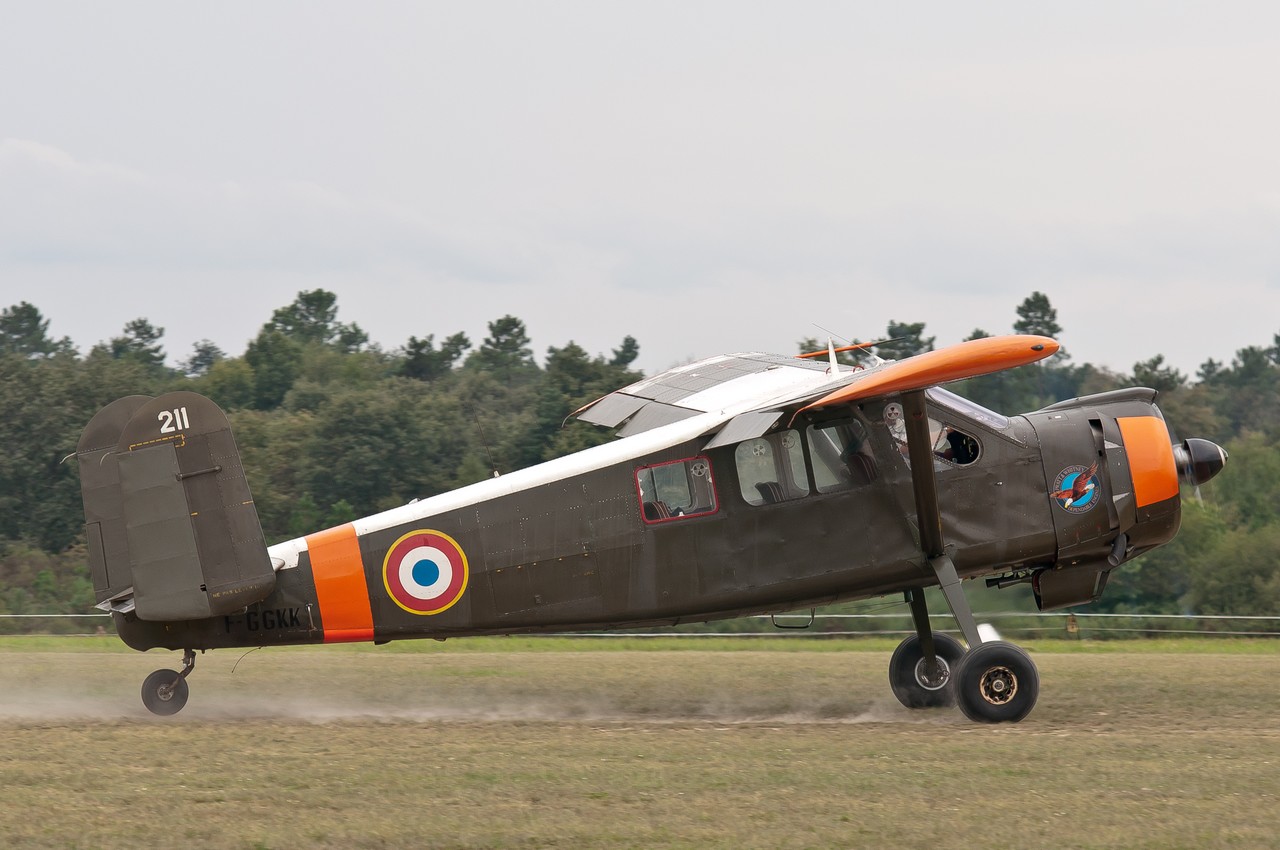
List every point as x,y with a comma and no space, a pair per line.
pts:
707,177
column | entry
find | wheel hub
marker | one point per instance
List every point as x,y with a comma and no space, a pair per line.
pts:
936,682
998,685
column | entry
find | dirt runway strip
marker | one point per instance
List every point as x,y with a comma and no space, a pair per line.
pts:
308,748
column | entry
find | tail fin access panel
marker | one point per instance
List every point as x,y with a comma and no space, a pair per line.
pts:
193,545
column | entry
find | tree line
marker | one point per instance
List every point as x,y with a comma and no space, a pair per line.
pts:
331,426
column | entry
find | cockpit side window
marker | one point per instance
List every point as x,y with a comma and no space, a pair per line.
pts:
676,490
957,447
951,446
771,468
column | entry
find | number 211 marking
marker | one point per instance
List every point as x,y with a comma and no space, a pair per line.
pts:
173,420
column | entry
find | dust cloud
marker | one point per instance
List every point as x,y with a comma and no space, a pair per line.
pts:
48,704
564,688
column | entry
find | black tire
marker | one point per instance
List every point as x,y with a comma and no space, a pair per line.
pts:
907,672
164,692
997,682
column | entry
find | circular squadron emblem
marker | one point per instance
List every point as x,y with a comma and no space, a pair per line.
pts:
425,572
1076,489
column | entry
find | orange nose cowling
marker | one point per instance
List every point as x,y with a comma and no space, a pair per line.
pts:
1151,462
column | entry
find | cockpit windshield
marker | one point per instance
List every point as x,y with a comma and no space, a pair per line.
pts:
969,409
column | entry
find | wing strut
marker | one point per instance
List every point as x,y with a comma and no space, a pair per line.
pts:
928,516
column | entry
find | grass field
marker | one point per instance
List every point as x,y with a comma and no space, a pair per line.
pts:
564,744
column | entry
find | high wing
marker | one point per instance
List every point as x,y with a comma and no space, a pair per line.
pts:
752,390
955,363
730,384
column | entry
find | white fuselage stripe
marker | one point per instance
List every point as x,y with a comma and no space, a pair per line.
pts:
750,393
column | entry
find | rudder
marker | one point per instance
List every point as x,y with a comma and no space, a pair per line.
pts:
172,528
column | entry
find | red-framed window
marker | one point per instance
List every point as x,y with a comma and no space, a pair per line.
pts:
679,489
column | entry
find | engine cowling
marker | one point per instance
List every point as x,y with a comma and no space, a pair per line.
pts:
1113,475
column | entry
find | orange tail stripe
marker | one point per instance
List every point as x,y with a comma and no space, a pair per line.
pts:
341,588
1151,464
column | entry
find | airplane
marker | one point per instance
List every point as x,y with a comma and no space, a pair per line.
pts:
741,484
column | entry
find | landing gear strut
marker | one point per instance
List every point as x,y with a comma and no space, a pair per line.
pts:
993,682
165,692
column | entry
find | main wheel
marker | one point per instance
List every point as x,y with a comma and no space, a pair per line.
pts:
908,674
997,682
164,692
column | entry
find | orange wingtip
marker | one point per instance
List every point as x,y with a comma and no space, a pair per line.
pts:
954,363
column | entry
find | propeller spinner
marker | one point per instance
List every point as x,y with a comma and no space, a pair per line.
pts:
1198,460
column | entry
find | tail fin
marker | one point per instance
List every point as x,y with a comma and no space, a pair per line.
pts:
172,529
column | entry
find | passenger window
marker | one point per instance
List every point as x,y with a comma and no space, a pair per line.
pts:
771,469
676,490
951,446
841,455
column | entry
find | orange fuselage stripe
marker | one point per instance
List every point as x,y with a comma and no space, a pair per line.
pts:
341,588
1151,464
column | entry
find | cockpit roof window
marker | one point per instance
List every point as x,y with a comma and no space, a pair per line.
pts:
970,409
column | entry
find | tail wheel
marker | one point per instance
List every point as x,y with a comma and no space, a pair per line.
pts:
165,692
909,674
997,682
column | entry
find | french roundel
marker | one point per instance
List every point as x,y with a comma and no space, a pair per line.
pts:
425,572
